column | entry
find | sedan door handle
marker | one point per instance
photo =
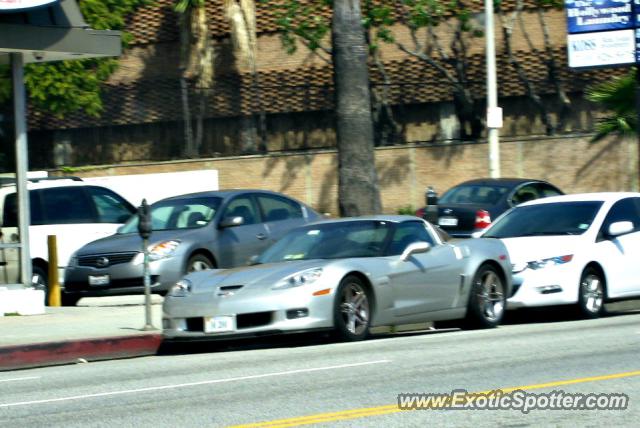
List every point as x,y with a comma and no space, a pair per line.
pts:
261,236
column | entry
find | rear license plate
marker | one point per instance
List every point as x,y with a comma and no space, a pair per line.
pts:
448,221
98,279
219,324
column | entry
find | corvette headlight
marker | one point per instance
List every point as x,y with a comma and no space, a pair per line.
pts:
180,289
306,277
551,261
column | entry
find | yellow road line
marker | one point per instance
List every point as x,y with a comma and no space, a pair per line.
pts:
393,408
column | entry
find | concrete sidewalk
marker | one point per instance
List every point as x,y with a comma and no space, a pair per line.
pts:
97,329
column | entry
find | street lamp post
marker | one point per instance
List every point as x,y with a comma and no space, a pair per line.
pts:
494,113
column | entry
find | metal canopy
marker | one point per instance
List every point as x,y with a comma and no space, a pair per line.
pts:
52,32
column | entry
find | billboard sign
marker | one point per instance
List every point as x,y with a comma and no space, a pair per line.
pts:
11,5
609,48
584,16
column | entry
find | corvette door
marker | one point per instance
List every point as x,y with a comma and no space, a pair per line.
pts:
425,282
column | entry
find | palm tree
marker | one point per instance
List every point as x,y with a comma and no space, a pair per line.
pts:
358,191
197,64
241,15
618,96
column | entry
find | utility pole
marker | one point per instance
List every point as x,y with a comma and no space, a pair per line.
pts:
494,113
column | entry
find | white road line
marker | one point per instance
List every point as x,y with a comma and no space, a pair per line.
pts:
20,378
185,385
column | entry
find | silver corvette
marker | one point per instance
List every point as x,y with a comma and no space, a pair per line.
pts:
346,275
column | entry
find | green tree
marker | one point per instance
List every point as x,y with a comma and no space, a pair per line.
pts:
64,87
618,97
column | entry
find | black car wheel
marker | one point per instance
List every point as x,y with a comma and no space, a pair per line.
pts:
69,299
487,300
39,281
352,309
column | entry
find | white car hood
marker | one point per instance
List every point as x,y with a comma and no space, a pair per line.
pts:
530,248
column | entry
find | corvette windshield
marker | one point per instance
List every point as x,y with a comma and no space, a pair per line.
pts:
560,218
331,241
173,214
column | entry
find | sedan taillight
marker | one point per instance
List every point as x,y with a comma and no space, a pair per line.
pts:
483,219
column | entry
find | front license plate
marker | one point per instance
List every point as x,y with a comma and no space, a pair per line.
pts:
219,324
448,221
98,279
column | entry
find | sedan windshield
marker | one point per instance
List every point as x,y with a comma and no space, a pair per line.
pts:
173,214
331,241
474,194
560,218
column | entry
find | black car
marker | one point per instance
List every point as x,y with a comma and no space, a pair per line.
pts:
472,205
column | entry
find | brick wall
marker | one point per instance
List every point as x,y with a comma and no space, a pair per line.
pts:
572,163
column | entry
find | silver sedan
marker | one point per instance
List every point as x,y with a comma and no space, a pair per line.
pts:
345,275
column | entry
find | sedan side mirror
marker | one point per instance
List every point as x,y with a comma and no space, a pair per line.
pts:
231,222
415,248
620,228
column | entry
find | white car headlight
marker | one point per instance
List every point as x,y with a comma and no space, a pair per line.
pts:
305,277
180,289
551,261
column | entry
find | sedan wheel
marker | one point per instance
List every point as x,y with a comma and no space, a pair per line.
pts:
591,297
487,301
198,262
352,309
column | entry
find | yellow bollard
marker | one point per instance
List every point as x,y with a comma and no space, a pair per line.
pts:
53,283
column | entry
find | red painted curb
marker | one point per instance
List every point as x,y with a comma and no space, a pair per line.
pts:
65,352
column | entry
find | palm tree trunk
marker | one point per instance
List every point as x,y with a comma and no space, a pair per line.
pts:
358,191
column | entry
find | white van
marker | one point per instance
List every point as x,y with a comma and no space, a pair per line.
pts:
72,210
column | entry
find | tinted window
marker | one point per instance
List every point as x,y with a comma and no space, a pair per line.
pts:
242,207
473,194
623,210
545,190
330,241
276,208
172,214
561,218
64,205
10,210
111,207
407,233
525,193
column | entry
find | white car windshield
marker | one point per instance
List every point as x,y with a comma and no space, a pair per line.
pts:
559,218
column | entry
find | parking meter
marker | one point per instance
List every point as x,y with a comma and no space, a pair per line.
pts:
144,229
431,210
144,220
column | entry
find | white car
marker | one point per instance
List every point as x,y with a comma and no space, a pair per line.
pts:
71,209
579,249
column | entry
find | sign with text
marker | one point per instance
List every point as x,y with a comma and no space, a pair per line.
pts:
9,5
584,16
608,48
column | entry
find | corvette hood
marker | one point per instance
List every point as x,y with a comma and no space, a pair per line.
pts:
262,276
530,248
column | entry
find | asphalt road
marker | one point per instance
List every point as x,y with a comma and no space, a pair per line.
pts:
309,379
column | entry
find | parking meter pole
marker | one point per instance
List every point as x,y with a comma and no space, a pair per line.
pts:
148,324
144,229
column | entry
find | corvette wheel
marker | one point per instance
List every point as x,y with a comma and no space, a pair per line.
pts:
352,310
591,294
487,301
199,262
